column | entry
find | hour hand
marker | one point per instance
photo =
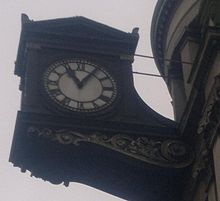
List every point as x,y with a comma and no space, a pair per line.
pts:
72,74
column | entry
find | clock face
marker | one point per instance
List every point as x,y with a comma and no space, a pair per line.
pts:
79,85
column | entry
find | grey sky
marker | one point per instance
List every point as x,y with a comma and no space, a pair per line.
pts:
121,14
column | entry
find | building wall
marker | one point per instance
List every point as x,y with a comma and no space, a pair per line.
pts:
193,39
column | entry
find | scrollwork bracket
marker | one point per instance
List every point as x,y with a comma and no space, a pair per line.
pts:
160,152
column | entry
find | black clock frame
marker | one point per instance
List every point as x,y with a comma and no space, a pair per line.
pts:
59,109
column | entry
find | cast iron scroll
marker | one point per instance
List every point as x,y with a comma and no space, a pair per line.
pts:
208,131
159,152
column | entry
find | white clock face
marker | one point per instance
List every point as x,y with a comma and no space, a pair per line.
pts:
79,85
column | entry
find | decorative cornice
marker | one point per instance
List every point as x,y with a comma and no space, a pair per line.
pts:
156,151
161,17
69,34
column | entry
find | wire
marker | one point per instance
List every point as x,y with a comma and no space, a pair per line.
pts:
149,74
154,75
151,57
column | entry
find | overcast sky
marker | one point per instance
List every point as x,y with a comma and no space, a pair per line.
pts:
120,14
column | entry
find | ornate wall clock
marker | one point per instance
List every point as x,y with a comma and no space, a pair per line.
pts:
79,85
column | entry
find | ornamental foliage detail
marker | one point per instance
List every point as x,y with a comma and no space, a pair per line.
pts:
160,152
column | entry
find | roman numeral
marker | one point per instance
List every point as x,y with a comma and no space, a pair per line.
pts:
80,105
54,83
80,66
108,88
66,101
67,66
55,92
104,98
95,105
102,79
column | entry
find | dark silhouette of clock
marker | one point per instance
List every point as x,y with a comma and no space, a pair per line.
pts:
77,89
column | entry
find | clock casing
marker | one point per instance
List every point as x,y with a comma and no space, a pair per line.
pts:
78,85
77,89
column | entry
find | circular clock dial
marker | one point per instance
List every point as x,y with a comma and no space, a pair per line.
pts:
79,85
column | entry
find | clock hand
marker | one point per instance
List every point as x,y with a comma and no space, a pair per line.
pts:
72,74
84,80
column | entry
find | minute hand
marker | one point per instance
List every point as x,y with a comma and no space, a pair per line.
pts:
84,80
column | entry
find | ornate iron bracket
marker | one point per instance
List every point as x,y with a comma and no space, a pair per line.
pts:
209,125
163,153
209,128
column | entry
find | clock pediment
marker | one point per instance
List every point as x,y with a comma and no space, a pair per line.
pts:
75,33
78,27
